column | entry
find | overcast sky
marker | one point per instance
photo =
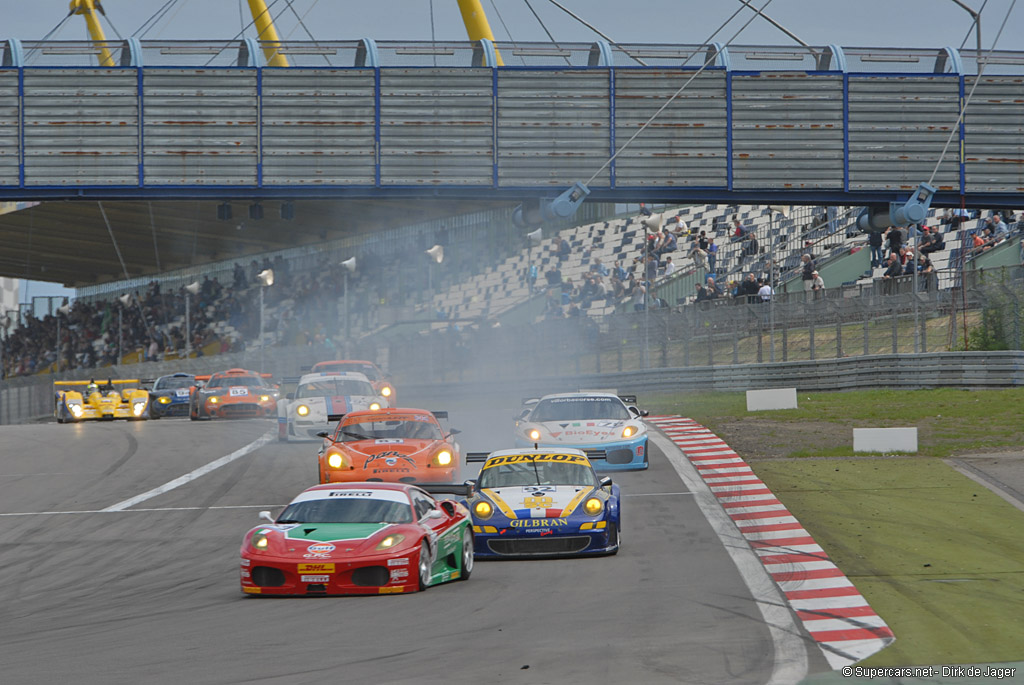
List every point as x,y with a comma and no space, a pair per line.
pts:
910,23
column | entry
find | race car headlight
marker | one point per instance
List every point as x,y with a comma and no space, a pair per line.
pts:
593,506
443,458
390,541
138,408
483,509
534,435
628,432
302,410
164,400
264,398
374,406
385,391
214,400
335,460
259,540
76,409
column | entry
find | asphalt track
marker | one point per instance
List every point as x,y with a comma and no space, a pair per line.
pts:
150,593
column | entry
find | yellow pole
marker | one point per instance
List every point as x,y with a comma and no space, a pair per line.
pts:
87,8
265,31
476,23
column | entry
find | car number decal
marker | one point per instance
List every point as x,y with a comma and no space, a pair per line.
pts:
238,392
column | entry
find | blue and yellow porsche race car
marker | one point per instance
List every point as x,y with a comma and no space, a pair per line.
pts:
542,503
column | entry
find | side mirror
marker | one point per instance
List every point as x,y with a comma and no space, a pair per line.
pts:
322,434
644,412
435,514
454,431
290,396
471,484
266,516
606,482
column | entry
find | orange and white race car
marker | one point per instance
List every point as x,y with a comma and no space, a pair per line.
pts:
380,381
393,445
235,393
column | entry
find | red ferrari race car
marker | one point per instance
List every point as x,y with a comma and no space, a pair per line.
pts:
395,445
359,539
378,379
235,393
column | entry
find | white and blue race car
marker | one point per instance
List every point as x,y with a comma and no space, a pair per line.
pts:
608,428
305,412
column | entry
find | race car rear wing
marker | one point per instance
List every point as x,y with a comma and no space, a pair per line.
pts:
440,415
628,399
116,381
331,418
476,456
463,489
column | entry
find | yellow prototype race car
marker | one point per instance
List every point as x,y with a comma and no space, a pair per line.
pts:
113,399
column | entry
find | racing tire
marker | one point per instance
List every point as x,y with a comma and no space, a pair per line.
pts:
613,534
424,566
467,554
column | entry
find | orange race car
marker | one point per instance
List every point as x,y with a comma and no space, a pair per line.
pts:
394,445
235,393
378,379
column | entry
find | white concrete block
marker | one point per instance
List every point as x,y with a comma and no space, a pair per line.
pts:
775,398
885,439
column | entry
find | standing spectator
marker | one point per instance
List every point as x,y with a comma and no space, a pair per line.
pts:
712,255
713,290
999,228
807,272
738,231
925,271
875,241
765,292
895,238
698,255
817,285
702,293
749,288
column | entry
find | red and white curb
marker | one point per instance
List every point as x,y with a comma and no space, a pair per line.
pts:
833,612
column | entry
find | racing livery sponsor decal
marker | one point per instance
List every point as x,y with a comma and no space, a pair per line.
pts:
321,548
316,568
399,573
315,579
390,458
245,562
398,562
245,574
538,523
516,458
252,590
390,590
541,502
389,441
350,493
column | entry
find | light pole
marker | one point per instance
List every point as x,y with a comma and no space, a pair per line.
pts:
190,290
349,267
532,238
784,211
436,254
63,310
124,300
266,279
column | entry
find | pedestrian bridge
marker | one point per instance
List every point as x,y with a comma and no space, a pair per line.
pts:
368,119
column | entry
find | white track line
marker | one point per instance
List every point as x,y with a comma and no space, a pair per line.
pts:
790,654
134,511
192,475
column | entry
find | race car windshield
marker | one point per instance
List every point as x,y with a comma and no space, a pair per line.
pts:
335,388
580,409
348,510
536,473
236,382
390,430
173,383
368,370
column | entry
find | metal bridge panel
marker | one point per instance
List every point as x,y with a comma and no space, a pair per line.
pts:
552,126
898,127
81,127
787,130
994,137
686,145
318,127
436,126
10,144
200,126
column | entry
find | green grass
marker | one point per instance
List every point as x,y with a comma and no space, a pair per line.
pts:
938,556
949,420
